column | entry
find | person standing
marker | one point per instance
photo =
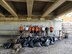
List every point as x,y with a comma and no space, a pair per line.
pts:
46,30
21,28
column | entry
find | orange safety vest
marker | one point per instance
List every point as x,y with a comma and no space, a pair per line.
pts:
40,28
33,28
21,28
30,28
37,28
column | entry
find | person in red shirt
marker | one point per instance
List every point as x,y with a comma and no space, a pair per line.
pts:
51,29
37,29
40,29
21,28
30,29
33,29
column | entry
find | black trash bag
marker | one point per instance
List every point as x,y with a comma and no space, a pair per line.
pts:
27,42
31,44
46,43
52,40
7,45
35,39
37,44
12,44
28,38
24,42
42,39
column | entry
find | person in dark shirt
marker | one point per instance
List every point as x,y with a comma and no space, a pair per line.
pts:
46,30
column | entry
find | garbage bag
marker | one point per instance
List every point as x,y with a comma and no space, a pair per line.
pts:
7,45
31,44
47,42
52,40
25,44
37,44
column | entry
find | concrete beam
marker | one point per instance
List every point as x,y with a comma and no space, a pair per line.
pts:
46,0
7,7
17,0
29,7
53,7
2,15
69,0
12,6
35,0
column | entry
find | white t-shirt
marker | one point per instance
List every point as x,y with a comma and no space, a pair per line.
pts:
43,28
26,28
51,34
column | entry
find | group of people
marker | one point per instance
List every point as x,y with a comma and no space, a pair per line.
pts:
30,28
34,29
28,41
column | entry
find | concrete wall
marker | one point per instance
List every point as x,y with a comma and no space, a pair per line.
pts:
11,28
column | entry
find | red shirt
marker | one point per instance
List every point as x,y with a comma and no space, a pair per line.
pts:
33,28
37,28
21,28
30,28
